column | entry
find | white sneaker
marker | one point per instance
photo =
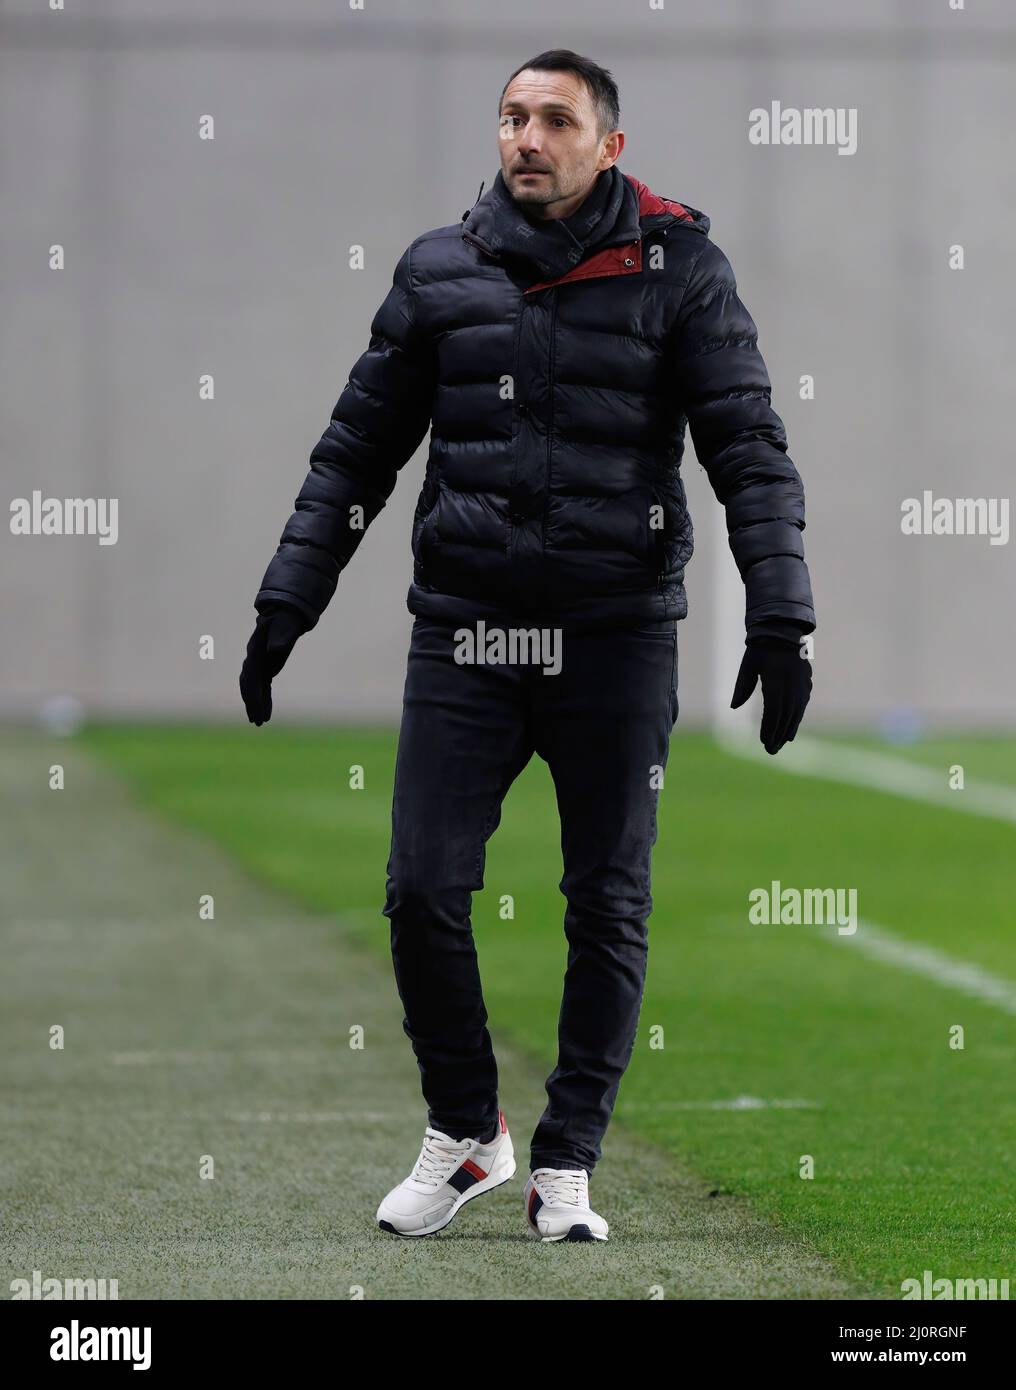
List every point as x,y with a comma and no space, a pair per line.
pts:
448,1173
557,1206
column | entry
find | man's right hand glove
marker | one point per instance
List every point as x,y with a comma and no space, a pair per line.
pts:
786,687
271,642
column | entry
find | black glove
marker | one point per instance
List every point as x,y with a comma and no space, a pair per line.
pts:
786,687
272,640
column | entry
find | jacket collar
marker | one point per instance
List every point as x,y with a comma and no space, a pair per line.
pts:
569,249
547,249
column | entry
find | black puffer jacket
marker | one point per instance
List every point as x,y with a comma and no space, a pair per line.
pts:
558,413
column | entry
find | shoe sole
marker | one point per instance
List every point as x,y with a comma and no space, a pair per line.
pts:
579,1232
477,1191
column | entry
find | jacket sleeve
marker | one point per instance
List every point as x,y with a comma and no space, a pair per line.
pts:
377,425
742,444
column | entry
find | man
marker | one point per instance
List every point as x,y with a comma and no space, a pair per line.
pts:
557,340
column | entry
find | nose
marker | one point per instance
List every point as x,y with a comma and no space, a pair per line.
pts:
529,138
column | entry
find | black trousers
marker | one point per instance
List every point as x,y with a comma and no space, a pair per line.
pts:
603,725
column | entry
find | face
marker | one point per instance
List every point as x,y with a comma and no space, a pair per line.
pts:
551,150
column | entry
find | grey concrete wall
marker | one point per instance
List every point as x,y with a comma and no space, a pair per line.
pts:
335,127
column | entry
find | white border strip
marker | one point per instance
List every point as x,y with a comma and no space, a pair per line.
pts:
811,757
971,980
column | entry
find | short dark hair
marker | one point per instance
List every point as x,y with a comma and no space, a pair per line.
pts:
602,87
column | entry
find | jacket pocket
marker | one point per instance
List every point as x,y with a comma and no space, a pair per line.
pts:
426,532
669,547
656,536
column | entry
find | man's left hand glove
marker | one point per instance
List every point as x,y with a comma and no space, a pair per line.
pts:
786,687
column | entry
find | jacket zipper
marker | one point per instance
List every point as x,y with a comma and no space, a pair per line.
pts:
509,525
660,536
550,413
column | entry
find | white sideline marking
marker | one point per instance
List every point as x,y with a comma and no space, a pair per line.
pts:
736,1103
812,757
12,1114
933,964
178,919
305,1117
170,1057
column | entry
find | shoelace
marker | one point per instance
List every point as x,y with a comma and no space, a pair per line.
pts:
566,1188
437,1157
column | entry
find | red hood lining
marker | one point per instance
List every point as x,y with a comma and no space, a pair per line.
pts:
651,203
620,260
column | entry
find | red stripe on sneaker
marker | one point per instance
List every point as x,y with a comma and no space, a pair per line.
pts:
471,1167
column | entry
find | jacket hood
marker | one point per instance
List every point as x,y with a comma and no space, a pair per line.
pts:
658,211
641,211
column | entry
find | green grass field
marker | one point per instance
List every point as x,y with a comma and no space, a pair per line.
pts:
777,1041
